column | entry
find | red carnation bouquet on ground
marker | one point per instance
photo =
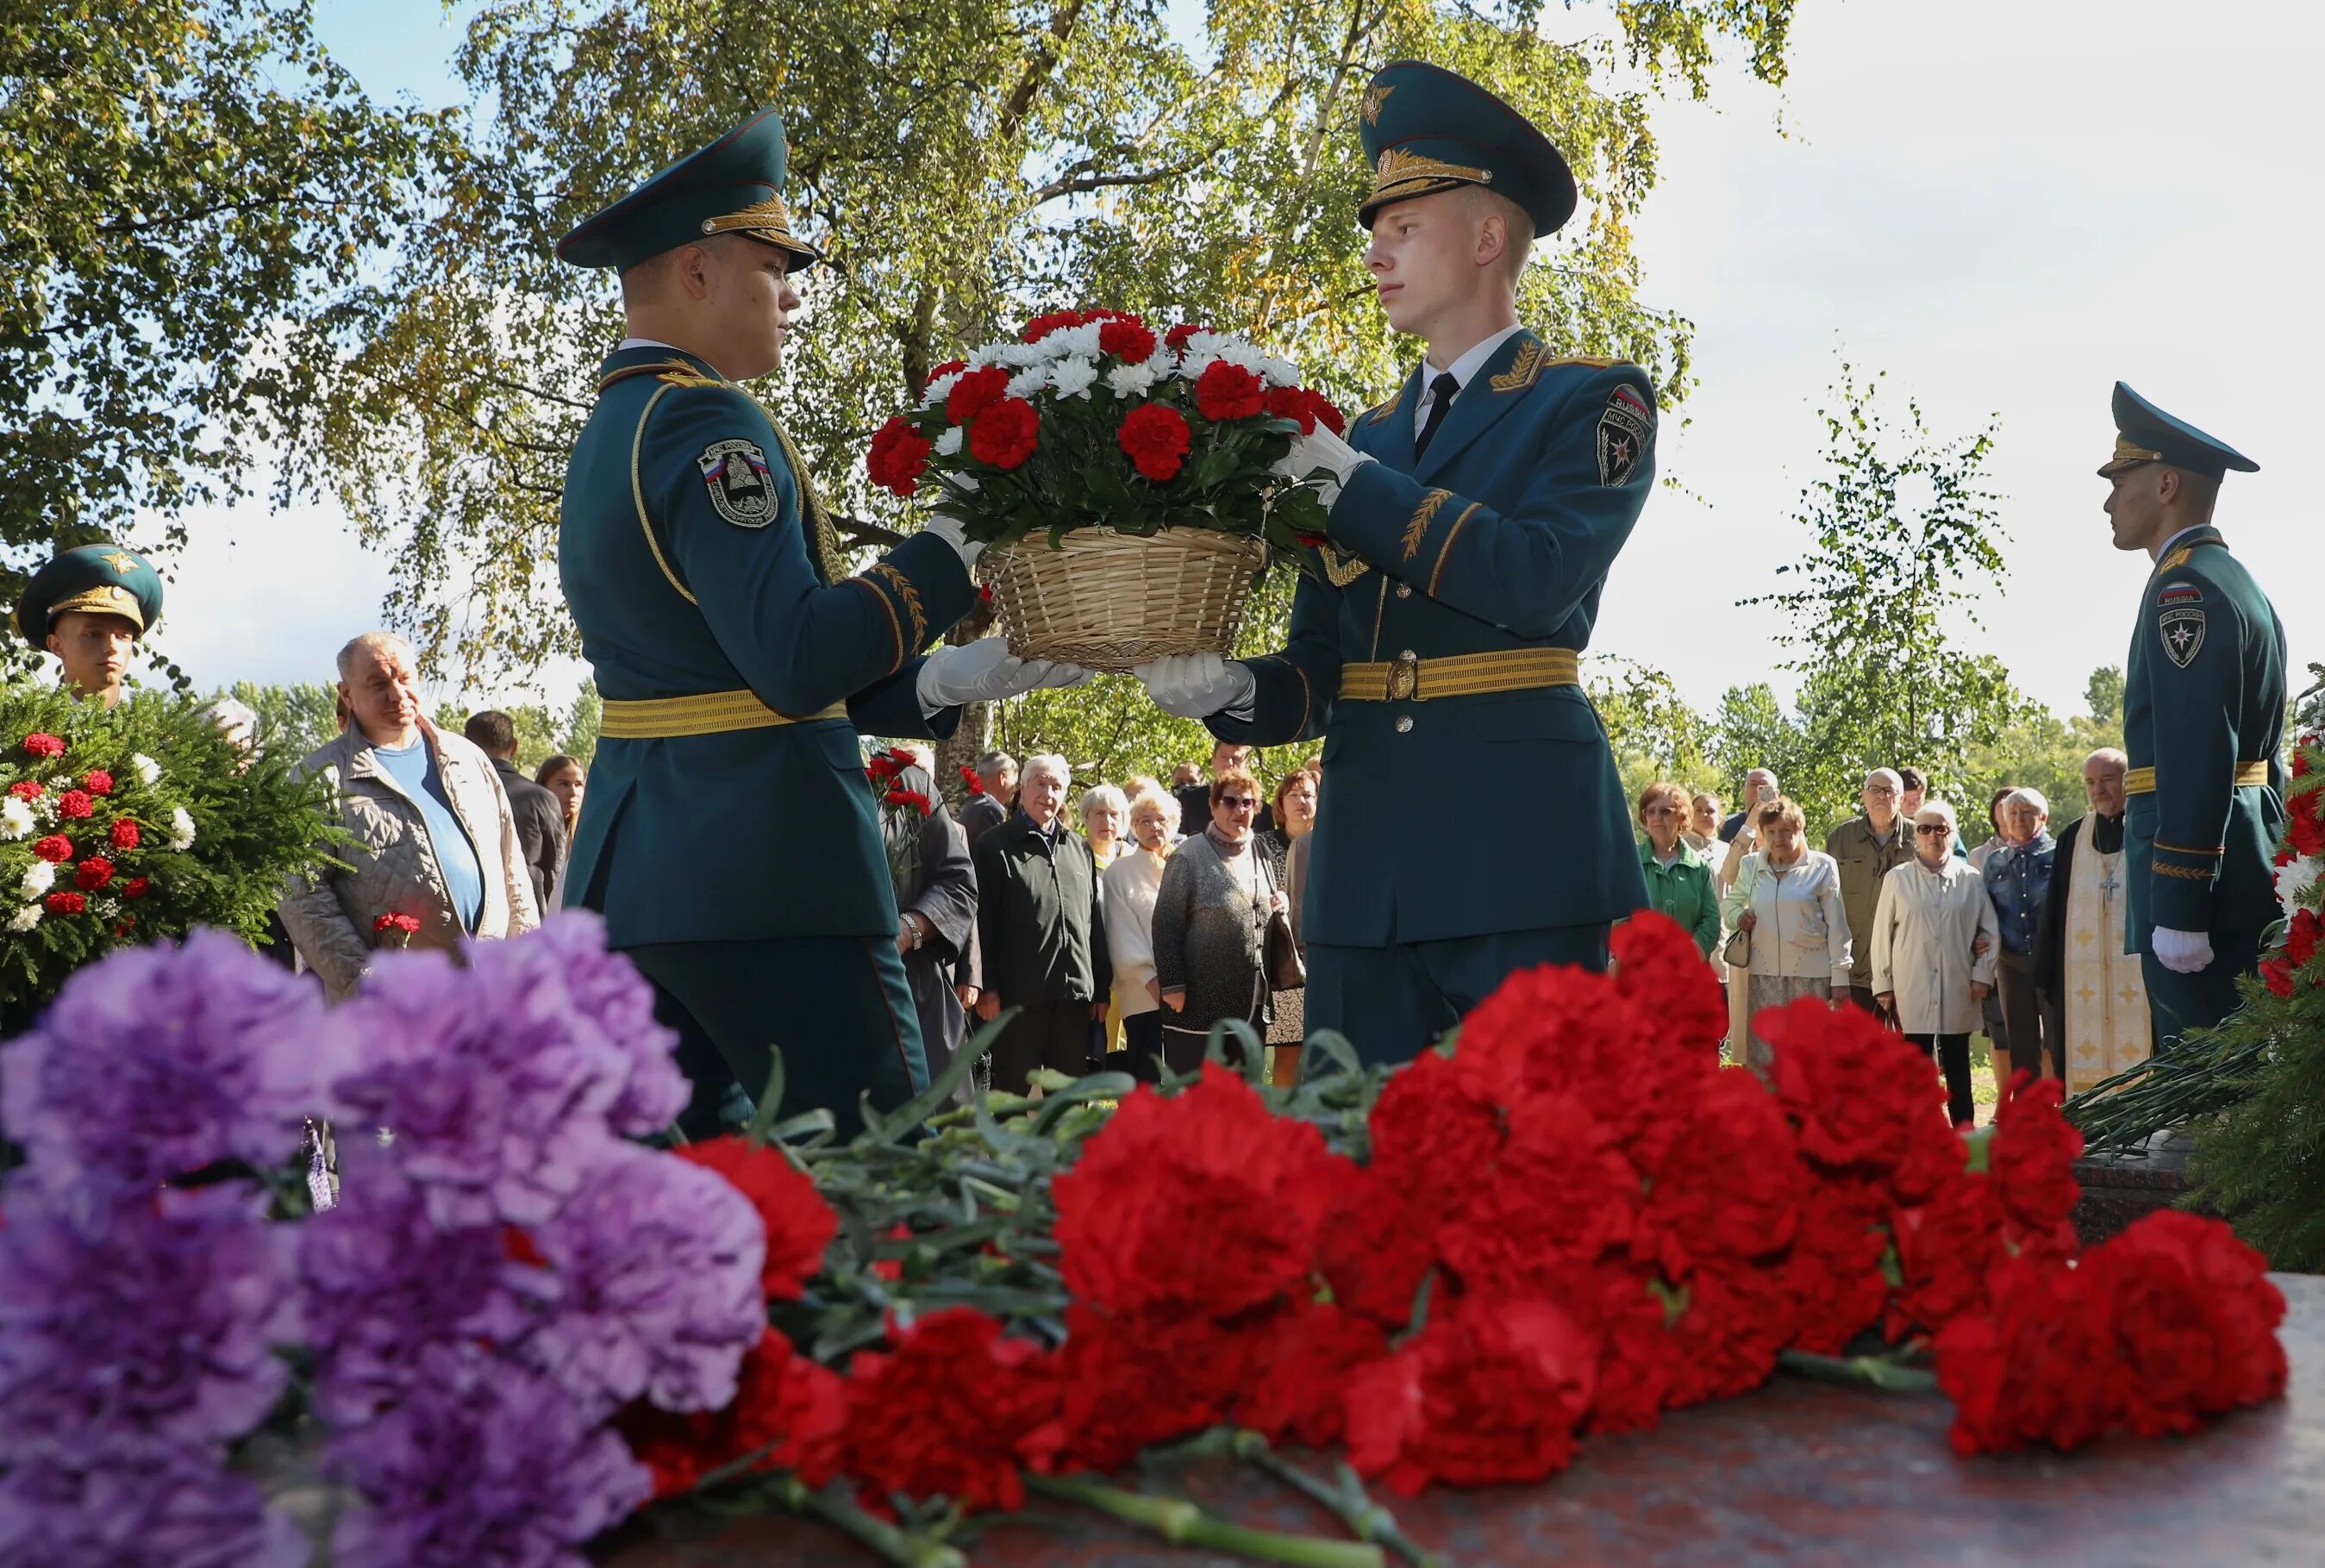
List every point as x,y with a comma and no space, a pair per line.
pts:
1101,434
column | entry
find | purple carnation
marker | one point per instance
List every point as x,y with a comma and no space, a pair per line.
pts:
608,993
379,1284
496,1115
657,1267
167,1506
144,1315
164,1059
484,1461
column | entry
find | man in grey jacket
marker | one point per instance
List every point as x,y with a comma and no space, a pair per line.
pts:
1866,848
432,835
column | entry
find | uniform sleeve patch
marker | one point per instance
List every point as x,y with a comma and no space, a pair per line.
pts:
2174,593
741,487
2182,631
1626,429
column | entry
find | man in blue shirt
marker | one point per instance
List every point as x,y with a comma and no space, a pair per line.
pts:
2018,881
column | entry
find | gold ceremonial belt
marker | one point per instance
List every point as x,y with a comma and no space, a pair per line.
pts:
2141,781
1412,679
712,713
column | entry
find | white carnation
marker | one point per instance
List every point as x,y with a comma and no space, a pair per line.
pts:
935,393
148,770
1132,380
949,443
1279,372
1026,383
991,354
1021,355
182,829
39,877
1194,361
1074,377
1071,342
16,818
26,918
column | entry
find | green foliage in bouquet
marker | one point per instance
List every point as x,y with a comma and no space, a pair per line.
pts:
119,827
1094,420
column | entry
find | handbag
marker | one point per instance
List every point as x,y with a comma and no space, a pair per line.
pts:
1737,953
1280,955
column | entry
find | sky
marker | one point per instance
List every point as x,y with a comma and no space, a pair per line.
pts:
2006,207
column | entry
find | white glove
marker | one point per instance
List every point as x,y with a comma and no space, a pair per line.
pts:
1197,685
985,671
2183,953
1321,450
947,527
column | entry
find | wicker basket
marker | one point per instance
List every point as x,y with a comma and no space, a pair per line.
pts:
1112,601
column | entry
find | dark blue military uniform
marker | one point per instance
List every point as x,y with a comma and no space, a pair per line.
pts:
2204,695
1435,643
728,834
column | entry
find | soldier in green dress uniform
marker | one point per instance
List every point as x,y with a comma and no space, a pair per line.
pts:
1473,520
89,606
2203,720
728,835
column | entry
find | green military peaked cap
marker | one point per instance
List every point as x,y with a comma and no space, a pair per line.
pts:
1426,129
733,186
2144,433
101,579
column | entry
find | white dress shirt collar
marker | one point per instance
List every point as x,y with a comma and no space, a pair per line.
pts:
1463,370
2176,538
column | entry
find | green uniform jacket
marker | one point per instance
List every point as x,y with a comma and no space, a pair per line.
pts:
691,566
1684,891
1500,537
2203,694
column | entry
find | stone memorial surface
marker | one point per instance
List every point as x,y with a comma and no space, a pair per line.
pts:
1800,1474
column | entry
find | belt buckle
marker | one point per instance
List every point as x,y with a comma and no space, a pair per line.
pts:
1404,680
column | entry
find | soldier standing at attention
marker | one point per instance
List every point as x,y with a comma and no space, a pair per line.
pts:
88,606
2203,719
727,832
1435,634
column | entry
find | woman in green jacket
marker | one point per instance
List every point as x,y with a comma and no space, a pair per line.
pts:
1679,882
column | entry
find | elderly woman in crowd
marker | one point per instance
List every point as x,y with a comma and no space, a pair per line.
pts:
1130,884
1932,944
1105,812
2018,880
1679,884
1210,925
1787,899
1295,818
1702,834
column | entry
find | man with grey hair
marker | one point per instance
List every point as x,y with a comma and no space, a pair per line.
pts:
1867,848
997,772
2081,971
2018,880
1041,934
431,837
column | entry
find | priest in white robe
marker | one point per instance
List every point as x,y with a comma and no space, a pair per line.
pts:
2079,961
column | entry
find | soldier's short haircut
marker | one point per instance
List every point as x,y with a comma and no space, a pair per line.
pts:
492,731
1518,225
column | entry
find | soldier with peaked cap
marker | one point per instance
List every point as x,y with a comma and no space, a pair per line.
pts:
88,606
728,834
2203,719
1434,637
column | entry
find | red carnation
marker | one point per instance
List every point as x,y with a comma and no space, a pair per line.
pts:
2033,1158
899,454
1049,322
948,367
56,848
1177,336
2305,827
405,925
2041,1365
1375,1246
1310,408
1557,1029
1133,1381
124,833
39,743
1733,1325
1500,1237
74,803
93,874
1127,339
952,1412
784,1404
970,782
1205,1202
1157,439
25,789
68,903
1301,1367
1833,1271
136,887
1004,434
1431,1132
975,390
1727,1190
800,1223
1225,392
913,798
1658,965
1854,1088
1489,1393
97,781
2196,1318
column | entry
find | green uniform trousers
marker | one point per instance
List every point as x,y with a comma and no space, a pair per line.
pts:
1392,1001
837,1006
2178,1003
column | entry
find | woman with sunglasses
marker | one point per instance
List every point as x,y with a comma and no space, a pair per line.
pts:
1210,926
1933,941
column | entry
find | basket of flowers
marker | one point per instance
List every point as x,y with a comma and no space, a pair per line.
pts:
1121,479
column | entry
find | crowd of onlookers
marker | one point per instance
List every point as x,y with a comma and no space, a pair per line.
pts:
1895,915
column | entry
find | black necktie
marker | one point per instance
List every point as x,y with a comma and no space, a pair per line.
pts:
1441,393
